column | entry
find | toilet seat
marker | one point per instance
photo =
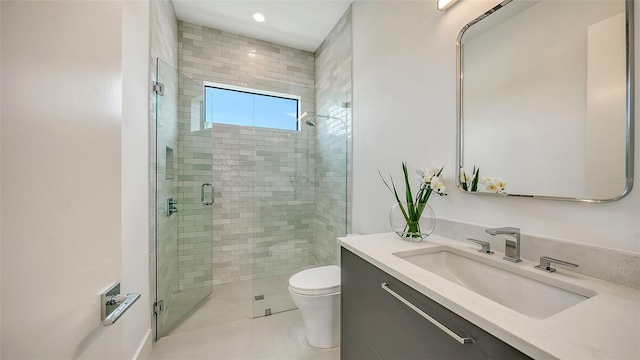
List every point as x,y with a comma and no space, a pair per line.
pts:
322,280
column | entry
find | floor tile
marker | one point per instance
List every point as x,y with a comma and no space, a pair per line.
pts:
221,327
242,339
287,330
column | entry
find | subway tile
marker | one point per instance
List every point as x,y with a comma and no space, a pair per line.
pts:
262,217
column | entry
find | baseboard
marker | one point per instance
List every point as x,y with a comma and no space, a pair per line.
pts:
144,350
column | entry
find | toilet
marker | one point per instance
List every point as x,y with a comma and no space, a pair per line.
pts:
316,292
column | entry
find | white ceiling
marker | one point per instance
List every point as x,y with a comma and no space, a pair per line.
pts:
300,24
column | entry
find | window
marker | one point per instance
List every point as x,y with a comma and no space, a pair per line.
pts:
251,108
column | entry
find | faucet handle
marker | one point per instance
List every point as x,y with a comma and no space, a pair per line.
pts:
545,264
486,246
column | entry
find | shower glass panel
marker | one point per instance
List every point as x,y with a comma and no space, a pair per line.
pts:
184,193
299,199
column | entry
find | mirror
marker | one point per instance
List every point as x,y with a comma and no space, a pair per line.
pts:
545,100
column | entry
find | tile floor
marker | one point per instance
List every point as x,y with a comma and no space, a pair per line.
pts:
279,336
222,327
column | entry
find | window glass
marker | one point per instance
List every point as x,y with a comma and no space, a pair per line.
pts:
225,106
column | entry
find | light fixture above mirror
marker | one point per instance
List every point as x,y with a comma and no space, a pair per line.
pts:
443,5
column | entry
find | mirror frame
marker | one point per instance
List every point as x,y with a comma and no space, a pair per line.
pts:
629,139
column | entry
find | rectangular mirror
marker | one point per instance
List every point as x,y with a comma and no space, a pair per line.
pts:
545,100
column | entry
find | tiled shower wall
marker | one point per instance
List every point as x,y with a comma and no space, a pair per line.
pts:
264,178
333,139
283,201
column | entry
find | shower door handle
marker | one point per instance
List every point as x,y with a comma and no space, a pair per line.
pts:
213,194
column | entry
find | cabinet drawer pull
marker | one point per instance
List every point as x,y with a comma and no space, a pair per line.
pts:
461,340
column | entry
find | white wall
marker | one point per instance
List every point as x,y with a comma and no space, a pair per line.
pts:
404,110
135,176
64,183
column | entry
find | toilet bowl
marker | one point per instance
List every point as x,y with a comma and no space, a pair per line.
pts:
316,292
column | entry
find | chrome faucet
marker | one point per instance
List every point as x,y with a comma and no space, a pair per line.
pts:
545,264
486,246
512,248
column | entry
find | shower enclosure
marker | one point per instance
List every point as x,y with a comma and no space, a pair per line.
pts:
184,208
280,201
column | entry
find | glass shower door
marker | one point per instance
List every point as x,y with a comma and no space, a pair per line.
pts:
184,199
299,198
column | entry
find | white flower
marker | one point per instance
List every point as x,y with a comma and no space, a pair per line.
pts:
486,179
431,172
437,185
422,174
490,186
499,183
425,175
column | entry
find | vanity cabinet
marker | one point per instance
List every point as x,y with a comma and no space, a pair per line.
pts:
376,324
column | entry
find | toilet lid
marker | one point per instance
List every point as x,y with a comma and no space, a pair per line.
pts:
316,281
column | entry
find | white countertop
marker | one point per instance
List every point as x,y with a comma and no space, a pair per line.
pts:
605,326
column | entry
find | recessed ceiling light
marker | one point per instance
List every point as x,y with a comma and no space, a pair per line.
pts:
258,16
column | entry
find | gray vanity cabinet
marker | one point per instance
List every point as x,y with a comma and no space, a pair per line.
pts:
377,325
358,347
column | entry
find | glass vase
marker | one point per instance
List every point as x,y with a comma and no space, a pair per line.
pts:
412,230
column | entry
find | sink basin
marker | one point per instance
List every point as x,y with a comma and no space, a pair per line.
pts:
535,295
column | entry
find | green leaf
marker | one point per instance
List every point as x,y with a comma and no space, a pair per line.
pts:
474,182
410,205
404,213
385,183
